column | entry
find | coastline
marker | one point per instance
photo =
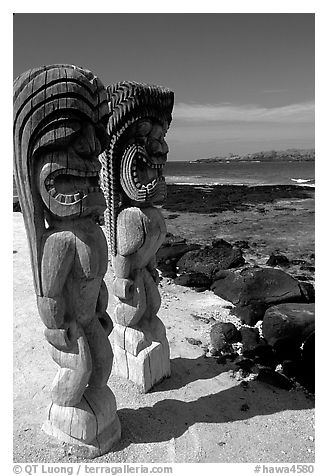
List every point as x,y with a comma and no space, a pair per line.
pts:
210,198
268,219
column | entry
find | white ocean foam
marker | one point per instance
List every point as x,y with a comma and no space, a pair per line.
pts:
299,180
304,182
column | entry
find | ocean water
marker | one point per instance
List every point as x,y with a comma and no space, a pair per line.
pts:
241,173
238,173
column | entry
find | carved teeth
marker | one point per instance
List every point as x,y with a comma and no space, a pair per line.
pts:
60,197
52,192
69,198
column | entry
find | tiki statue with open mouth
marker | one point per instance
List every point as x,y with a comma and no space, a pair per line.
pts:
60,119
134,187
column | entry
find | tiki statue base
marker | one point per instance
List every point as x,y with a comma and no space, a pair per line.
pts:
91,427
146,369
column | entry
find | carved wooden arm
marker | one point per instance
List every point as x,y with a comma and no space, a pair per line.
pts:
101,309
57,261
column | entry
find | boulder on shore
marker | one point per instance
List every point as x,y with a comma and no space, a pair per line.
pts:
308,363
222,335
193,280
211,259
277,260
174,247
254,290
170,252
293,322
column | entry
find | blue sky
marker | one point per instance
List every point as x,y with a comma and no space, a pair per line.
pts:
242,82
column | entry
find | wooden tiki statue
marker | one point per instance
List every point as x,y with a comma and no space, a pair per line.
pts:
134,187
60,119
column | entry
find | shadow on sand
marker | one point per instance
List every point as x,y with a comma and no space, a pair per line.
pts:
171,418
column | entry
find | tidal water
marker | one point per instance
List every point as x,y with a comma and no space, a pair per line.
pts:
241,173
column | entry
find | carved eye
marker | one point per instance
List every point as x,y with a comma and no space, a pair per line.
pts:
143,128
157,132
154,146
81,145
87,141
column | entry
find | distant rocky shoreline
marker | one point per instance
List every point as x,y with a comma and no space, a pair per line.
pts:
294,155
218,198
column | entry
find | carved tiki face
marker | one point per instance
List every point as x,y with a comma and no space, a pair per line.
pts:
143,159
60,119
132,165
68,178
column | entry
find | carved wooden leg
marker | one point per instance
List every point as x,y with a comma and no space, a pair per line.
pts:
140,356
142,350
146,369
81,414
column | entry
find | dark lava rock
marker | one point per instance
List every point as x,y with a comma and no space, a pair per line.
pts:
250,314
277,260
168,269
265,355
222,359
298,262
253,290
200,289
222,335
309,268
307,289
276,379
287,349
193,280
242,244
252,343
307,378
193,341
303,277
209,260
170,252
171,239
292,368
288,322
250,337
254,347
308,354
228,285
244,364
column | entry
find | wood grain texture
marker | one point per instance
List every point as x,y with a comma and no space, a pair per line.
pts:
60,116
141,348
133,184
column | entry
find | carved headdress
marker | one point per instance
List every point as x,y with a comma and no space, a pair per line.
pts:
50,103
129,102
